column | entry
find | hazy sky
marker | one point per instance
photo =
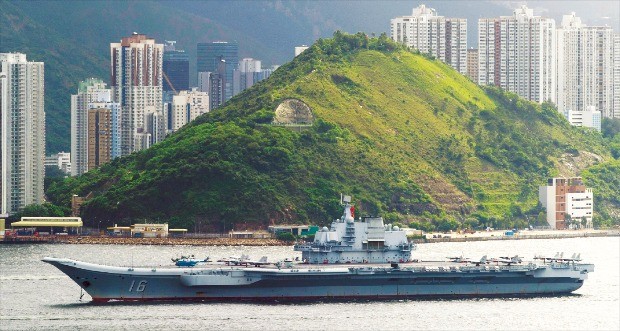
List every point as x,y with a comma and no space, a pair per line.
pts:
591,12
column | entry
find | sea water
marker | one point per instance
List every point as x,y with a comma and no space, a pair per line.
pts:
37,296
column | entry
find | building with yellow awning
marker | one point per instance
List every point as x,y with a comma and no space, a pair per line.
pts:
52,222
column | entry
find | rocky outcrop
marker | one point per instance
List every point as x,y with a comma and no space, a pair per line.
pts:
571,164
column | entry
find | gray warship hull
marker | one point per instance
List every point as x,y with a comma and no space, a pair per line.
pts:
311,282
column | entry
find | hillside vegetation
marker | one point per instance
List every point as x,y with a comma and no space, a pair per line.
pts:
408,137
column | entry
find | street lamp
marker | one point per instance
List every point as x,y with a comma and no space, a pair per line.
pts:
98,224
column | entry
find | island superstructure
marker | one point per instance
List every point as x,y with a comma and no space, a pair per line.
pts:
367,241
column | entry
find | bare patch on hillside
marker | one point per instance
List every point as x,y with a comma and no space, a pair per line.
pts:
571,164
446,194
293,111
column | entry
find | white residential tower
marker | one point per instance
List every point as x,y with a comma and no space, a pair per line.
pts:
22,132
517,53
445,38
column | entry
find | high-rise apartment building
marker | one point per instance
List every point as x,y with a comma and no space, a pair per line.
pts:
248,74
92,93
616,102
517,53
567,200
186,106
209,58
472,64
136,70
176,70
204,79
100,127
585,67
217,85
156,126
22,132
442,37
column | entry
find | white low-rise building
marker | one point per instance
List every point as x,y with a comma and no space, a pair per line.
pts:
61,160
589,118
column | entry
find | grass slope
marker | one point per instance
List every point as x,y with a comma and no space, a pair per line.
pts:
406,135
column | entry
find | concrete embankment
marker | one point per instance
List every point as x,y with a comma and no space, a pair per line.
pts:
500,235
150,241
430,238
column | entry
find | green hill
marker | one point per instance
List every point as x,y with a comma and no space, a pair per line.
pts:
407,136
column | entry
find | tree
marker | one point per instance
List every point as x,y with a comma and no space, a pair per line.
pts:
541,219
471,223
44,210
446,225
610,127
285,236
583,222
569,220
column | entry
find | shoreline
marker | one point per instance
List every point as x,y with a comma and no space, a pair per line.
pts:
522,235
440,237
87,240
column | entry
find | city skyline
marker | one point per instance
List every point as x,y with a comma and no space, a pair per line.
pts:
191,22
448,41
533,65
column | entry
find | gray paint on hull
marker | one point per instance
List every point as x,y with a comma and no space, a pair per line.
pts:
104,286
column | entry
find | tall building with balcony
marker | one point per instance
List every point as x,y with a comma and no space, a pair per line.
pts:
209,58
175,69
472,64
585,67
616,103
100,132
91,93
22,132
517,53
185,107
445,38
568,202
136,81
248,73
216,84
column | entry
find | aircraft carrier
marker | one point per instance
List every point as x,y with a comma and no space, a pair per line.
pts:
363,259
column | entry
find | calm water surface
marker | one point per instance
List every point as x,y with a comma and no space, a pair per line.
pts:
35,295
